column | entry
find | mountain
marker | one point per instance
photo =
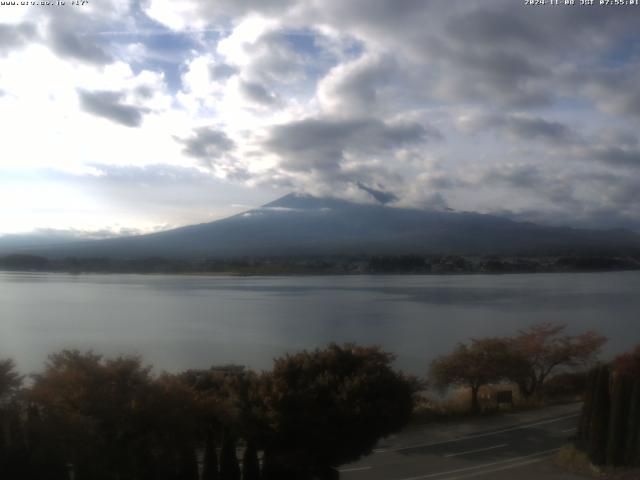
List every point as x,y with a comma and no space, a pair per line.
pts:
38,239
301,225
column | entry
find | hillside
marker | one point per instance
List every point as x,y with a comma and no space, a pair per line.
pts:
298,225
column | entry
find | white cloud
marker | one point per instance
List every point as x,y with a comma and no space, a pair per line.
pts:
342,75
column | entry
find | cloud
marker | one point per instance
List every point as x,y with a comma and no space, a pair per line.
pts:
108,104
522,127
180,14
143,197
275,56
64,41
222,71
324,143
539,106
207,144
618,157
361,86
15,36
613,89
258,93
379,195
494,27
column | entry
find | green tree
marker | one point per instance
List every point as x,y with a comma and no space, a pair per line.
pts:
10,383
103,412
328,407
228,399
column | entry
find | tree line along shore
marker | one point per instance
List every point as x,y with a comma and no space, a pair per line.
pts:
331,265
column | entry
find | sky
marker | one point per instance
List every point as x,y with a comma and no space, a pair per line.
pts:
130,116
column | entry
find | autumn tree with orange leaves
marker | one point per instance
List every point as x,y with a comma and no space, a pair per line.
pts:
628,363
483,361
545,348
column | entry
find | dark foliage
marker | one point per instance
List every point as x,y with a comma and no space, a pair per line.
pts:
610,424
90,418
250,462
329,407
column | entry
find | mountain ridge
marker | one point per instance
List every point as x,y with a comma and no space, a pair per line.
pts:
304,225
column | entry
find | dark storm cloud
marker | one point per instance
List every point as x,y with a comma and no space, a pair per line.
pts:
64,41
258,93
207,144
321,143
108,104
14,36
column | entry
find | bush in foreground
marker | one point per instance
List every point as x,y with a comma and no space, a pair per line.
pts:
90,418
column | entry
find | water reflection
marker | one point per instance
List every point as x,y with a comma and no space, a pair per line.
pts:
194,321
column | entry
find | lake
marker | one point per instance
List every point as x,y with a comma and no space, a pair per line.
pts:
180,321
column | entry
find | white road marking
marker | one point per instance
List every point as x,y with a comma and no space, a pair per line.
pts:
484,465
479,435
476,450
499,469
354,469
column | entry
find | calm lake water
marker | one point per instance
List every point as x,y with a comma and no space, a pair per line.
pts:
177,322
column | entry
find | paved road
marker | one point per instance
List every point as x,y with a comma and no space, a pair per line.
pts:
510,446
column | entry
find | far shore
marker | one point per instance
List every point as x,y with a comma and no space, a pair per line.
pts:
324,266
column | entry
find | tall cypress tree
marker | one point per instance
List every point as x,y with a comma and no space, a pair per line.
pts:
46,459
250,463
632,457
272,469
587,409
229,468
597,447
210,461
632,443
187,463
617,431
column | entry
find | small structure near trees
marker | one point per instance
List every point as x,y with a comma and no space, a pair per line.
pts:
482,362
527,359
